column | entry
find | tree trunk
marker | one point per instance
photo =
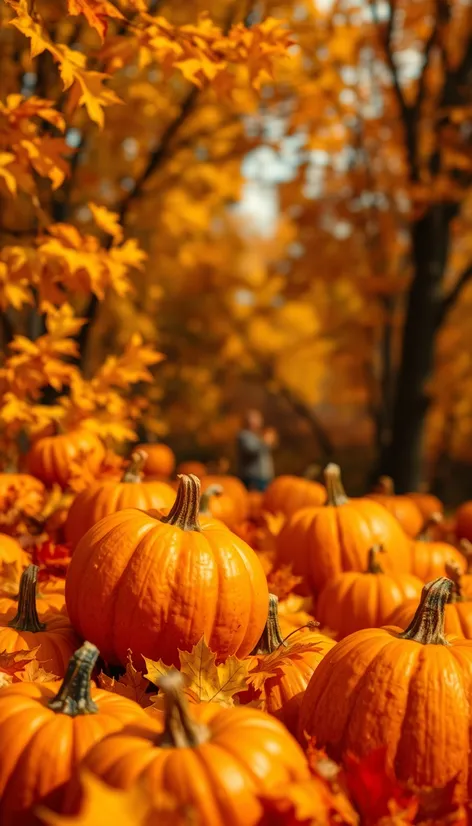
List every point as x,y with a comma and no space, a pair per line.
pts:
402,457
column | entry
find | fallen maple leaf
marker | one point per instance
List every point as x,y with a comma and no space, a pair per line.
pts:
375,790
132,684
206,682
15,661
282,581
33,672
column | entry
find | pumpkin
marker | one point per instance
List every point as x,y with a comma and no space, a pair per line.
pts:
406,691
192,468
321,542
109,496
22,629
403,508
294,612
466,579
24,487
12,552
429,557
50,457
160,460
49,597
352,600
427,503
157,584
255,500
216,760
232,487
217,506
464,521
283,667
458,612
289,494
49,727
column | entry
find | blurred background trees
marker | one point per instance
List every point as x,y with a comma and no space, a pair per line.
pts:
305,209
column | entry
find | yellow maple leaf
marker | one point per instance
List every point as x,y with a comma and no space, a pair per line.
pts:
108,221
131,684
206,682
33,672
95,12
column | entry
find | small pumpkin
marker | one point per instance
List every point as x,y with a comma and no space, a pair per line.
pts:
22,486
109,496
457,613
321,542
281,668
429,557
234,489
289,494
217,506
22,629
156,584
50,457
352,600
160,460
464,521
403,508
218,761
406,691
427,503
49,727
192,468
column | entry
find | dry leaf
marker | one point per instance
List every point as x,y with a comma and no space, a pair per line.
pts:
206,682
33,672
132,684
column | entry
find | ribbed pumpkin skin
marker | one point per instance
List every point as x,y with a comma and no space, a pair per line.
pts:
289,494
135,582
232,487
428,559
405,511
248,753
323,542
427,503
58,642
105,498
374,690
458,622
160,460
49,457
41,749
352,601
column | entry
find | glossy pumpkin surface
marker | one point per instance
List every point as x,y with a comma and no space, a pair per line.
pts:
49,457
289,494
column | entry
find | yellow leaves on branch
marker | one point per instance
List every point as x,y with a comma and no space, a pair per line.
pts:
203,53
96,13
66,262
29,151
206,682
85,86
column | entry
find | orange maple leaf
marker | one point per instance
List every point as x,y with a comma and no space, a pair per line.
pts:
96,13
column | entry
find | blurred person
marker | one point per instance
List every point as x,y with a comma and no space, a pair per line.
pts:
254,450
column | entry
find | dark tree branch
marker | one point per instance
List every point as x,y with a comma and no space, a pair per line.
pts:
452,297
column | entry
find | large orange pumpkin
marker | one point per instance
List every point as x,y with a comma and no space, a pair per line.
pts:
403,508
217,760
160,460
46,729
22,629
288,494
156,584
321,542
281,668
457,613
110,496
50,457
464,521
352,600
406,691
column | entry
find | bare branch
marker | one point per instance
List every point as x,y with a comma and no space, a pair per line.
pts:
452,297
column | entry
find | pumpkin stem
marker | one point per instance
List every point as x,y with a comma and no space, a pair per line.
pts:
134,470
466,549
184,512
431,522
385,486
334,486
26,618
271,637
453,571
427,626
180,731
74,697
205,498
373,565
